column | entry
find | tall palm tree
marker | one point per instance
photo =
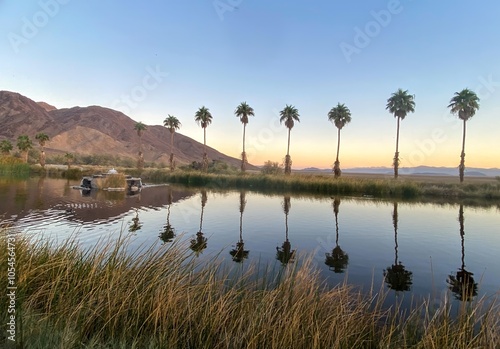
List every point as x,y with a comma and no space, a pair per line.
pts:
140,128
173,124
69,159
285,254
24,144
243,111
465,104
338,259
340,116
239,253
5,147
42,139
400,104
396,276
203,117
289,115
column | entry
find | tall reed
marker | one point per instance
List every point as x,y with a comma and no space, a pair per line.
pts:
110,296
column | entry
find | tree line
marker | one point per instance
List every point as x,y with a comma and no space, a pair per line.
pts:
464,104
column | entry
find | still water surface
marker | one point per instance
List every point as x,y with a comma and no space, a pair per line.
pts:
414,249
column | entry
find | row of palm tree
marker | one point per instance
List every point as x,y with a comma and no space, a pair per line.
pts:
25,144
464,104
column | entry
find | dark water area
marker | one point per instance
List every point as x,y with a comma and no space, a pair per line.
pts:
415,250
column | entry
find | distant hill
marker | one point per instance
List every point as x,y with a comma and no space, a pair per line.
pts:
95,130
419,170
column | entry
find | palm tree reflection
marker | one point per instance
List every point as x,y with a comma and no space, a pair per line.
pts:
136,224
168,232
396,276
199,243
239,253
462,284
285,254
338,259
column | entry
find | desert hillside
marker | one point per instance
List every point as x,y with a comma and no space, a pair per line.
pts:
95,130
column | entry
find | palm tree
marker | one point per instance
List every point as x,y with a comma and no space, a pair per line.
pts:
289,115
24,144
400,104
69,159
243,111
285,254
42,138
462,284
465,103
203,117
239,253
5,147
140,128
199,243
340,116
173,124
396,276
338,259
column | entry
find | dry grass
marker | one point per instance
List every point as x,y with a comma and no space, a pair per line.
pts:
106,297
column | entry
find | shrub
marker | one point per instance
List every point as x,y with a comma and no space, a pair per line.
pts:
271,167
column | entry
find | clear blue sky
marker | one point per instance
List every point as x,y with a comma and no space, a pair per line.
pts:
172,57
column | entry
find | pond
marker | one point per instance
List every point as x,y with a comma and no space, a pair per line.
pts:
413,249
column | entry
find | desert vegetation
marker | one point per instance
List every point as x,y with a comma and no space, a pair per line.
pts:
109,296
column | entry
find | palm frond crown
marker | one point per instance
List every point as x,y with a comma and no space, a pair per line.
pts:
243,111
401,103
464,103
289,115
203,117
340,115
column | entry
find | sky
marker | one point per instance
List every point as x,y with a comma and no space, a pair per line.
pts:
153,58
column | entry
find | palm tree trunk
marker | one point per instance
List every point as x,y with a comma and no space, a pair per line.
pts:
462,232
336,166
288,147
461,168
171,150
288,159
396,155
338,144
205,158
243,154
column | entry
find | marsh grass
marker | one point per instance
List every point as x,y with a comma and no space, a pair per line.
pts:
11,166
328,185
162,297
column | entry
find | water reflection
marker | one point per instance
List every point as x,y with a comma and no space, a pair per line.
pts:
285,254
199,243
168,232
462,284
338,260
136,223
239,253
396,276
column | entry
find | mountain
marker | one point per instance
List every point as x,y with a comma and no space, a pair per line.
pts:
95,130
